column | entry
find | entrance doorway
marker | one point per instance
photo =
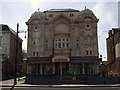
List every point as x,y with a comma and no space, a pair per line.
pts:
61,68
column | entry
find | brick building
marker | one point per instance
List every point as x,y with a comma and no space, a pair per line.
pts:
113,52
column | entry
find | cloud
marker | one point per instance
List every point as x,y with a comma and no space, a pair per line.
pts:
102,13
106,12
35,4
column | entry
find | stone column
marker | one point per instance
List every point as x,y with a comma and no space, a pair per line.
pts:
83,67
61,68
29,69
69,67
53,67
41,68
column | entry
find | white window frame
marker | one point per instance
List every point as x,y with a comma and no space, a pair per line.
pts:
61,43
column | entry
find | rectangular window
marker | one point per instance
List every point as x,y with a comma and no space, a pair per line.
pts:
50,15
55,45
59,45
34,43
63,39
77,45
87,53
63,45
37,54
71,15
67,45
33,53
90,52
46,46
59,39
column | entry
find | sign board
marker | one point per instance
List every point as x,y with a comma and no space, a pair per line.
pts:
60,59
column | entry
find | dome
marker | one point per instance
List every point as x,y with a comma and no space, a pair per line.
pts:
37,14
86,11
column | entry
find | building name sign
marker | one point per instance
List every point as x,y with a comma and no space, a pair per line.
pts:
62,59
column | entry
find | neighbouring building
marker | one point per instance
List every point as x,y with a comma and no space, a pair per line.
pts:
62,41
113,52
8,50
103,68
0,52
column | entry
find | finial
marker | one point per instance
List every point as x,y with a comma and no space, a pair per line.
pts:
38,9
85,7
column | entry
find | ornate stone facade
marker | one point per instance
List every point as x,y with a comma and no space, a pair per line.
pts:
62,41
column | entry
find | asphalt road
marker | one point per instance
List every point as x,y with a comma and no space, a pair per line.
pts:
61,88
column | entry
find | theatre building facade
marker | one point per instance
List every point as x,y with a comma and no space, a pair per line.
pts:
62,41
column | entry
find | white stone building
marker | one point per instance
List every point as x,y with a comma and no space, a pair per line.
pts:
62,41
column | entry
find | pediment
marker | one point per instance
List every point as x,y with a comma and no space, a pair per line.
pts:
62,17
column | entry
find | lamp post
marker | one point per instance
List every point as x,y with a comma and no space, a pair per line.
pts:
16,59
16,56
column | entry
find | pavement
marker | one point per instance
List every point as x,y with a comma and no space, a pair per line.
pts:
69,79
48,85
62,87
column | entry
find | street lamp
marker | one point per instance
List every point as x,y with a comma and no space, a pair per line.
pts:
16,56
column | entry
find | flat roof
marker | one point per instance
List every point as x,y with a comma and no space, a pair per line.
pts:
62,10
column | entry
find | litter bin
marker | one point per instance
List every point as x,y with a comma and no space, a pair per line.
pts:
74,77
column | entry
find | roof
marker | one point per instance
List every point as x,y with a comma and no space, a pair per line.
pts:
37,14
113,32
7,28
86,11
62,10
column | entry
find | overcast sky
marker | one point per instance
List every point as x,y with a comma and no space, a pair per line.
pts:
21,10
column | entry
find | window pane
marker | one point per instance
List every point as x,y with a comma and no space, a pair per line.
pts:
46,45
90,52
71,15
55,45
77,45
37,54
59,39
63,45
87,53
50,15
67,45
34,43
59,45
33,53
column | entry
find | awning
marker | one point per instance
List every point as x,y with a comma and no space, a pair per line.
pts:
60,59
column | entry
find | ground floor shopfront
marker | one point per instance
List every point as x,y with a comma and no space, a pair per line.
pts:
74,65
